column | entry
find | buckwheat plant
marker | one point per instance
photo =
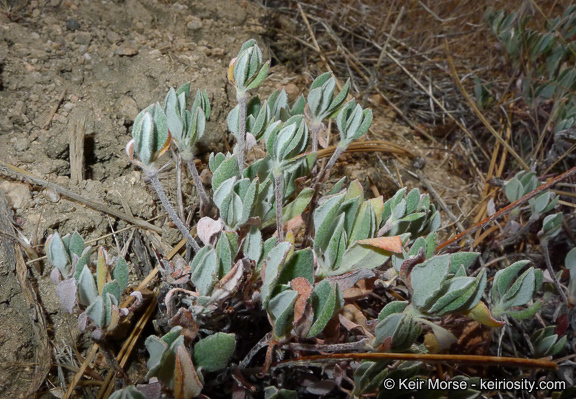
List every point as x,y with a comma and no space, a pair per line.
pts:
255,261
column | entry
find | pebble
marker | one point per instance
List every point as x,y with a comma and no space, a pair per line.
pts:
194,25
51,195
21,144
68,107
20,107
291,89
155,53
126,51
18,194
128,108
83,38
218,52
113,37
72,24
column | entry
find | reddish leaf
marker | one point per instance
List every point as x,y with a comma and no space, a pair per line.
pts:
186,382
304,289
185,320
561,325
390,244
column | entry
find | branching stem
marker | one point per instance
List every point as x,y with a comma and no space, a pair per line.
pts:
179,184
206,202
309,222
157,186
242,100
278,177
315,129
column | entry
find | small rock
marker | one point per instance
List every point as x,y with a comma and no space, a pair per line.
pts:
21,144
113,37
218,52
18,194
155,53
72,24
128,108
20,107
68,107
292,90
236,15
21,51
51,195
83,38
126,51
194,24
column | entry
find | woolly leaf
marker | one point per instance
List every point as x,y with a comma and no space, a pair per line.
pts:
326,300
156,348
273,264
76,245
525,313
521,291
503,278
281,307
205,270
226,170
301,264
213,352
66,291
96,312
297,206
253,244
360,256
392,307
57,254
87,291
121,273
427,279
130,392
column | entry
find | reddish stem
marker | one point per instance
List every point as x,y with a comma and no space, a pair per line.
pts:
509,208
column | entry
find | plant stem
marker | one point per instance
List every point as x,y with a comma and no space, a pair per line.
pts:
157,186
242,100
337,152
206,204
278,190
544,244
179,184
315,129
309,222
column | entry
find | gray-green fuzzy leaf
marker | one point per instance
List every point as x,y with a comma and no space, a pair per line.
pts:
213,352
87,291
325,300
274,262
427,279
226,170
281,307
